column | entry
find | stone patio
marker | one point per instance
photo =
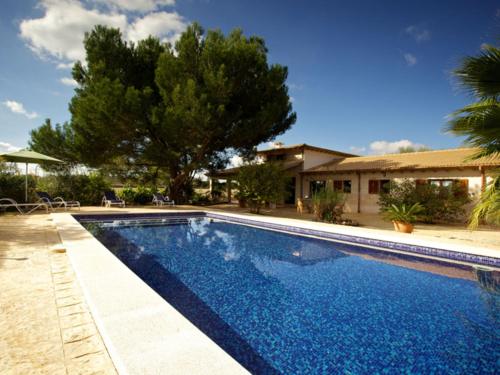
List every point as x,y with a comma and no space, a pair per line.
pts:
45,324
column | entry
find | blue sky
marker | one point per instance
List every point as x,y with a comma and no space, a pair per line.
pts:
365,76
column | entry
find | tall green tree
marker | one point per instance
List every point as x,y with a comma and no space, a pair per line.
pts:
56,141
179,108
479,122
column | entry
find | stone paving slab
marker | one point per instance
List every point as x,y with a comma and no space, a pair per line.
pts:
45,324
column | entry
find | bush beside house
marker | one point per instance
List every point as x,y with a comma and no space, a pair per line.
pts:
259,184
440,204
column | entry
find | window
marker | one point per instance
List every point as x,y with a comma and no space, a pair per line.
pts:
277,157
342,185
378,186
347,186
385,186
460,187
316,186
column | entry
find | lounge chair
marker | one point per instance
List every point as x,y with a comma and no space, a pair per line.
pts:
56,202
110,199
160,200
7,203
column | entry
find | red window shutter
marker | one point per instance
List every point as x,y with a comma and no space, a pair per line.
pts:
463,188
420,182
337,185
373,187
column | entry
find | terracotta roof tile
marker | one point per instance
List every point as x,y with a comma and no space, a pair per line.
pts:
453,158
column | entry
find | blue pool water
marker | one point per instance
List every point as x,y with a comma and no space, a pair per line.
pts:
287,304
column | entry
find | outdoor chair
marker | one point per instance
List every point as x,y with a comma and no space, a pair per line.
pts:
110,199
8,202
56,202
160,200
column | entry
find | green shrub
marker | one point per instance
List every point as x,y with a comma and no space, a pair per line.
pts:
440,204
141,195
403,213
328,205
87,189
200,199
261,183
128,195
13,186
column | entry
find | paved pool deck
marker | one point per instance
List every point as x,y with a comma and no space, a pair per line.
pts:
45,322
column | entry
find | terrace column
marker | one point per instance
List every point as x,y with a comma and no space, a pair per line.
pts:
228,183
359,192
483,178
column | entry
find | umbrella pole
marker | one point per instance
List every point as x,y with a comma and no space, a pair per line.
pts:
26,185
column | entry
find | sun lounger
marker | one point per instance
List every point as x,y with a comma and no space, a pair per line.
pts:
56,202
160,200
7,203
110,199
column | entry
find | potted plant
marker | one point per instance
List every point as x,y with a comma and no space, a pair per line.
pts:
403,216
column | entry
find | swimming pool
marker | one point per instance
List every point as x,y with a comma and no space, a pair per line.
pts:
281,303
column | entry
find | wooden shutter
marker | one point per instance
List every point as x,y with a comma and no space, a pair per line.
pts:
373,186
337,185
463,187
420,182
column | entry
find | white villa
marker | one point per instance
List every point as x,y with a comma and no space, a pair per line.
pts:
362,177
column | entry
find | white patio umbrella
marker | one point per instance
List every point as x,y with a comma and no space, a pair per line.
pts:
27,156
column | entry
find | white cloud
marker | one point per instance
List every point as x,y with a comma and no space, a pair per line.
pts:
410,59
17,107
136,5
68,81
418,33
64,65
385,147
58,34
7,147
275,144
357,150
167,26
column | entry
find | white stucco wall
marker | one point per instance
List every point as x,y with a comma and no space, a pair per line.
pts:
314,158
368,201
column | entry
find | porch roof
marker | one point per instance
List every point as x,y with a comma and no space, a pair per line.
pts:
232,172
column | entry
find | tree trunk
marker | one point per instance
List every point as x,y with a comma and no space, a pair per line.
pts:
178,188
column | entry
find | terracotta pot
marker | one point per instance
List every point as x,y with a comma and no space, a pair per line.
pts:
403,227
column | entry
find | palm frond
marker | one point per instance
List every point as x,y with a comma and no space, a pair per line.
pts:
480,123
488,207
480,75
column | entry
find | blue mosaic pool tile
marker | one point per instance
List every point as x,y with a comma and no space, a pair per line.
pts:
280,303
418,250
422,250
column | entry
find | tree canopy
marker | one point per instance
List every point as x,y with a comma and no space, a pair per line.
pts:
179,108
411,149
